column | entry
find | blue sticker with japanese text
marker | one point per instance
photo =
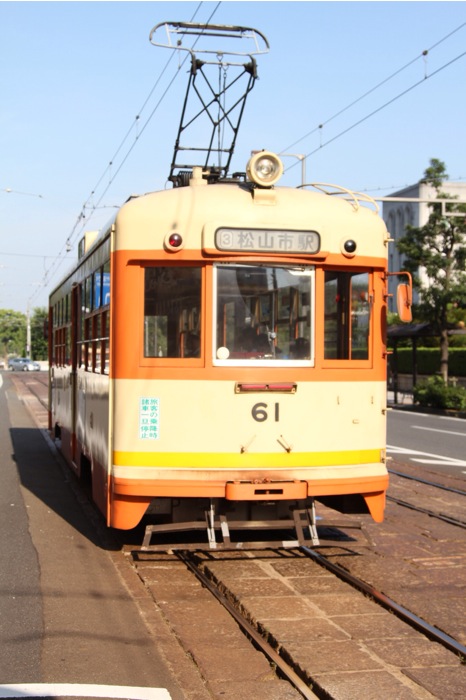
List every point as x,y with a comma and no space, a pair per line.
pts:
149,418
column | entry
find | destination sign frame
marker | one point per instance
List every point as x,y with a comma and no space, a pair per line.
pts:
250,240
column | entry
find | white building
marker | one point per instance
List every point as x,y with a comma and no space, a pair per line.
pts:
399,214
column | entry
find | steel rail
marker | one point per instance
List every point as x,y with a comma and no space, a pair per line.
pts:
428,483
403,613
30,388
426,511
273,656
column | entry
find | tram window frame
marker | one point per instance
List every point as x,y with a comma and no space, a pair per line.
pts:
105,340
165,335
94,325
343,308
106,284
61,334
268,317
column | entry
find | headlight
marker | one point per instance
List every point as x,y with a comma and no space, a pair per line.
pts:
264,169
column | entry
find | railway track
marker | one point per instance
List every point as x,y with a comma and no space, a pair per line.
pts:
234,579
35,383
316,640
440,516
456,504
400,611
419,480
285,669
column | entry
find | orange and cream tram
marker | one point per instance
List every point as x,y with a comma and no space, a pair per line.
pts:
226,341
220,347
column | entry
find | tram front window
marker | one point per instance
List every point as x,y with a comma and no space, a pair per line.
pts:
263,314
347,315
172,318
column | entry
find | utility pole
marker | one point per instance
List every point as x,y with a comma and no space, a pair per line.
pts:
28,333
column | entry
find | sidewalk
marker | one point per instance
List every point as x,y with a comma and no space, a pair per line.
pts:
405,403
403,398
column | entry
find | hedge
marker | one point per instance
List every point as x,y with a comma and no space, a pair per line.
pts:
428,361
433,392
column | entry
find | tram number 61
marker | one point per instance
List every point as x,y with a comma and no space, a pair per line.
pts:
259,412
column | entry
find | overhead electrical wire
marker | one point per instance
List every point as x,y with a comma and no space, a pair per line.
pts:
386,104
29,255
27,194
423,55
82,216
76,230
395,188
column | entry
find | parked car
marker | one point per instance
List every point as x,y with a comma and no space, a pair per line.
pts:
23,364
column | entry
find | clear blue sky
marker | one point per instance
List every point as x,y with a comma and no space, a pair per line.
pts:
76,74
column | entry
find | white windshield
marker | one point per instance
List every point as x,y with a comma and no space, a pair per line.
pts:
263,314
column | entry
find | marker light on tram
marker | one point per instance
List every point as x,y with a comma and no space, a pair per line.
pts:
174,241
348,247
264,169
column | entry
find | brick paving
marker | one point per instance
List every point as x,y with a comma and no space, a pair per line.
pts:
340,641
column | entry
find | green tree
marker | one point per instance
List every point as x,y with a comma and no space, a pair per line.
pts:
38,336
12,333
439,249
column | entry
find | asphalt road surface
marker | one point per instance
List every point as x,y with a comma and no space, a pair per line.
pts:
435,442
68,614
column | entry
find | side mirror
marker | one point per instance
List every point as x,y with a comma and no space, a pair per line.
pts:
404,302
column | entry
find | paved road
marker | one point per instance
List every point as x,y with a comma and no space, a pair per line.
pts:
437,442
21,624
69,612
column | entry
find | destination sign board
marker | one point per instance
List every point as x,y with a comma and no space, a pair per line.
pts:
267,240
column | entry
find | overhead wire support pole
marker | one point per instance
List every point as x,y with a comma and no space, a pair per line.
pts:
302,158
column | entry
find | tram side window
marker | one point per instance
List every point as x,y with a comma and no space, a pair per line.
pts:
106,284
102,351
94,324
59,344
172,316
85,361
61,334
68,333
97,292
88,294
347,315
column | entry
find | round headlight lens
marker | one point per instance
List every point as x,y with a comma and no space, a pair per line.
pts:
264,169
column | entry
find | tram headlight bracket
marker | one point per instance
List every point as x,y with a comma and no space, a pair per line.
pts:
264,169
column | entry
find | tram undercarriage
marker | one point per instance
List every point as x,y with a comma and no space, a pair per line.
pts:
224,522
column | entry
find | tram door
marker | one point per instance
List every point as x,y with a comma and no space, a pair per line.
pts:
61,398
75,348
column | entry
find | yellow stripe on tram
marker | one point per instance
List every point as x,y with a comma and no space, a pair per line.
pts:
223,460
